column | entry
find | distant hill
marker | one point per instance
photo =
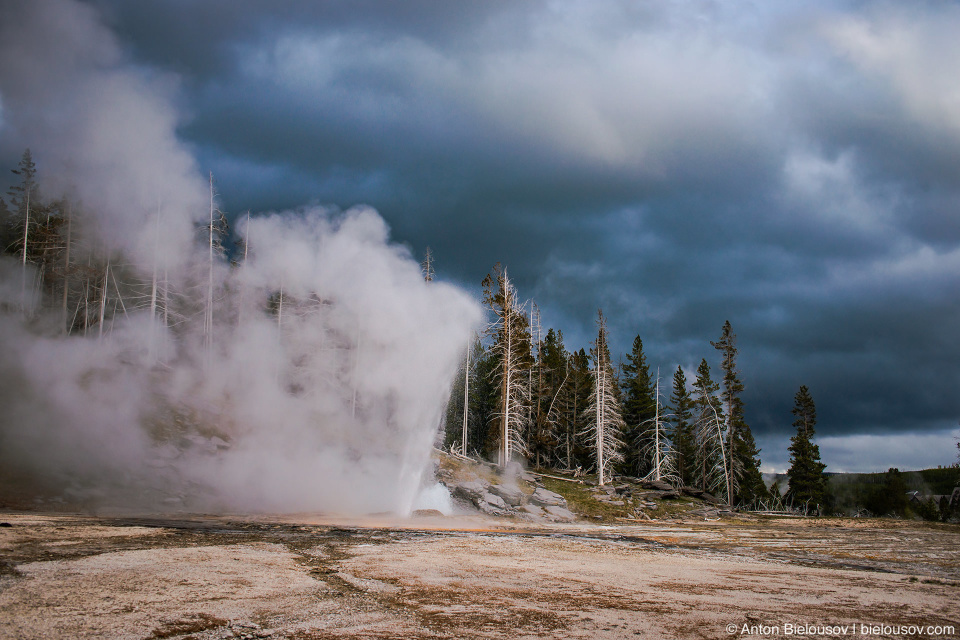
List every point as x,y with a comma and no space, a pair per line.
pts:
851,490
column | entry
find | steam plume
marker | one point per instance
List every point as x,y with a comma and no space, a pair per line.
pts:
319,383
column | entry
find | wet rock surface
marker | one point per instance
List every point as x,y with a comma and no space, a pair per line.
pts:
206,578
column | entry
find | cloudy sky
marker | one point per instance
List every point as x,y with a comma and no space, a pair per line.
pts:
793,168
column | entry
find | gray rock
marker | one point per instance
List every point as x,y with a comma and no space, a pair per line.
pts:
560,514
494,500
490,510
709,497
545,498
659,486
472,491
533,510
511,495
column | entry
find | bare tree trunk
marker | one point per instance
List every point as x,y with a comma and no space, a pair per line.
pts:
599,435
656,432
26,231
103,297
356,372
466,397
86,304
246,249
66,275
208,316
166,309
505,395
153,287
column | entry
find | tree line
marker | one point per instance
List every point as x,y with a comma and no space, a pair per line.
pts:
66,269
522,396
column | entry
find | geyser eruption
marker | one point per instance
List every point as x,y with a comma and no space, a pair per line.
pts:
142,369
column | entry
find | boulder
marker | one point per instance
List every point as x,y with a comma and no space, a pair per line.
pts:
533,510
511,495
494,501
545,498
658,485
472,491
709,497
559,514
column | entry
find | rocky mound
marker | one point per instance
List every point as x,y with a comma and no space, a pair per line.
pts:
479,486
559,497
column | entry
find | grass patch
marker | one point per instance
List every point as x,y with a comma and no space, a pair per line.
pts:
676,507
581,500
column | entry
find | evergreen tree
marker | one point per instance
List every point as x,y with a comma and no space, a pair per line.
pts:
639,409
710,464
511,333
682,431
551,376
658,449
34,231
890,497
23,197
807,484
744,481
426,267
751,488
604,419
7,231
573,397
455,421
484,401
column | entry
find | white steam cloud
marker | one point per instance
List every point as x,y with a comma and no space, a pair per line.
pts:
318,385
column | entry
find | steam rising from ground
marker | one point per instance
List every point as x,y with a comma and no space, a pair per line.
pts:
320,383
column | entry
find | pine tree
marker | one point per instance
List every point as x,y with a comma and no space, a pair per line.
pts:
682,432
426,267
744,482
889,497
551,376
23,197
214,232
658,449
484,401
710,463
511,334
807,484
604,419
573,397
460,426
639,409
751,488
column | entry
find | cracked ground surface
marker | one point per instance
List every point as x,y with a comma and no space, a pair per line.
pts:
307,578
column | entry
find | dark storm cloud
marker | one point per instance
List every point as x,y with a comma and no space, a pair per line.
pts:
795,170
